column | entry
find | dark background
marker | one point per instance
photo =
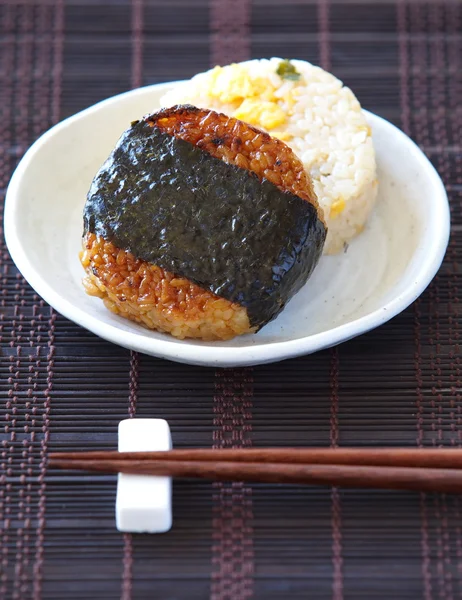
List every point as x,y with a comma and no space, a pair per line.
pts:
65,389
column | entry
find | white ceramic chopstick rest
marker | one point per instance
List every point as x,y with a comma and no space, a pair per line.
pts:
144,502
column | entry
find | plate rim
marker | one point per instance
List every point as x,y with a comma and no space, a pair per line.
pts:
222,356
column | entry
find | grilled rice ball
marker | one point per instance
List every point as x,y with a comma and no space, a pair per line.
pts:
183,301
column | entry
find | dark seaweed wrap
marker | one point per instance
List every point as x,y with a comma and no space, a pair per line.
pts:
174,205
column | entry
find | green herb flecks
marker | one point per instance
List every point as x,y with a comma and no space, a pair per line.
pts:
286,70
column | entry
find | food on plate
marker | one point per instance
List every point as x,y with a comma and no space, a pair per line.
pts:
319,118
200,225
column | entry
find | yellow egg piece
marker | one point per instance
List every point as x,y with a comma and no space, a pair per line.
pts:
230,84
284,136
337,208
264,114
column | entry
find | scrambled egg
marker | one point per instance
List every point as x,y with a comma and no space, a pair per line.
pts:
253,98
337,207
266,114
284,136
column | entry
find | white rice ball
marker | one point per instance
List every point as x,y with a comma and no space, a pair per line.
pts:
319,118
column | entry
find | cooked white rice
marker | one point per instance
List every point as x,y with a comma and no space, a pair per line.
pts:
319,118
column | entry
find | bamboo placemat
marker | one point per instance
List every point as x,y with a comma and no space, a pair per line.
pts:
65,389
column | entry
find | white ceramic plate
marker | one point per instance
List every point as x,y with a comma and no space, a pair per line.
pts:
382,272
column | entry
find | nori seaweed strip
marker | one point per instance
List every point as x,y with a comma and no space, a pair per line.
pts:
174,205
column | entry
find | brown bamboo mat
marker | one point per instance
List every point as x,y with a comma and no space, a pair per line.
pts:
65,389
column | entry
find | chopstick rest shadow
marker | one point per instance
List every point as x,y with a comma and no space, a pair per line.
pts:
430,470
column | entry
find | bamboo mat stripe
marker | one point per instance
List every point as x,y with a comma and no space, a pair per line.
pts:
137,43
232,549
65,389
127,566
56,55
430,126
20,95
439,130
6,91
336,510
230,31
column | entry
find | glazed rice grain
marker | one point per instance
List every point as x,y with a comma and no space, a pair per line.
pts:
155,298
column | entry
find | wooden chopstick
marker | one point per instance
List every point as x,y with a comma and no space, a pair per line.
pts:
442,458
397,478
397,468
